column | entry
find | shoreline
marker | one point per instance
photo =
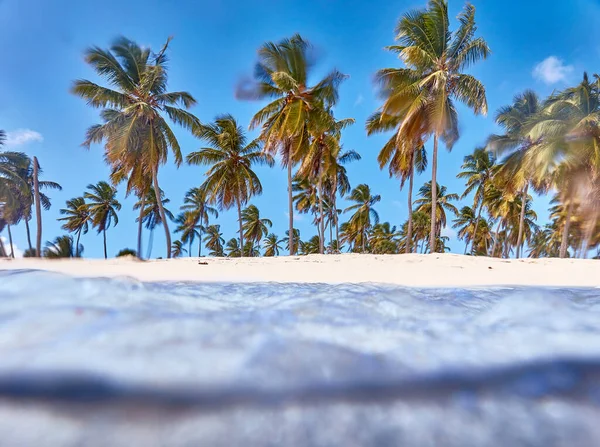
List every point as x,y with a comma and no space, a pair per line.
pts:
414,270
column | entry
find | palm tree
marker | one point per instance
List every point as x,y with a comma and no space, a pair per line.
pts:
77,218
478,168
233,248
150,212
187,224
103,206
271,245
214,240
127,252
472,229
282,73
62,247
423,94
255,227
230,180
383,239
340,184
195,202
296,241
443,204
136,134
364,214
178,249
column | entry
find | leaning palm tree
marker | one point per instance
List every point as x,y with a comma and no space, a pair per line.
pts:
443,204
282,74
77,218
271,245
178,249
423,94
62,247
195,201
135,131
230,181
364,214
150,213
255,227
103,206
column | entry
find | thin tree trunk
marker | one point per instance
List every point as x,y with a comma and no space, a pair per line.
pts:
291,209
150,243
565,236
190,248
105,253
473,245
38,207
411,178
330,233
239,207
10,241
140,226
432,234
77,243
588,235
161,210
321,219
522,220
200,244
2,250
28,233
497,236
335,215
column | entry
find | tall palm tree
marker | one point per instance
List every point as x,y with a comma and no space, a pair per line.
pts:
62,247
423,94
364,212
214,240
230,180
272,245
103,206
135,131
188,226
178,249
196,202
255,227
150,212
443,204
282,74
478,168
77,217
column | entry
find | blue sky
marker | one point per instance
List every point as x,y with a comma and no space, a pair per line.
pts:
536,44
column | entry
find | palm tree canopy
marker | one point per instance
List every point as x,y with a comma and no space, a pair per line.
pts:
255,227
62,247
77,215
103,205
444,204
151,213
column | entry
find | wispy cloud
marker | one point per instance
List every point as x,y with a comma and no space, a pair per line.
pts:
449,232
359,100
552,70
20,137
18,252
297,217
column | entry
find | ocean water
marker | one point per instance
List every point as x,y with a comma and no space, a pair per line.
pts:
117,362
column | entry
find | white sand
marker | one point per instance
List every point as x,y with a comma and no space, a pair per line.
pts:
408,270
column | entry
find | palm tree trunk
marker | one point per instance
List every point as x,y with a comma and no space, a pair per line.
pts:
588,235
239,207
161,210
2,250
200,244
10,241
150,243
38,206
105,253
291,209
432,234
565,236
522,219
28,233
496,238
321,218
409,231
77,243
474,243
140,226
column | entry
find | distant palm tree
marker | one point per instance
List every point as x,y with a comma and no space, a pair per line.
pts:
103,206
364,214
230,180
295,240
136,134
271,245
214,240
127,252
151,214
383,239
187,224
178,249
311,247
62,247
443,204
423,94
467,223
233,248
196,202
282,72
77,218
255,227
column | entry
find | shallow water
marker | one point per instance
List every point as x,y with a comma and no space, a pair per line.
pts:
119,362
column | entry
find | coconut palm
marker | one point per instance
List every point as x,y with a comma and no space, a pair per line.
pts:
311,247
196,202
282,74
478,169
77,218
214,240
233,249
62,247
340,184
135,131
472,229
178,249
423,94
103,206
151,214
364,214
383,239
255,227
187,224
230,180
271,244
443,205
296,241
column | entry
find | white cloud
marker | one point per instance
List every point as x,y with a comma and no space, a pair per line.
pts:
297,217
359,100
20,137
449,232
18,252
552,70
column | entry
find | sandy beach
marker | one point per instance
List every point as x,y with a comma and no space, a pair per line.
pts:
406,270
